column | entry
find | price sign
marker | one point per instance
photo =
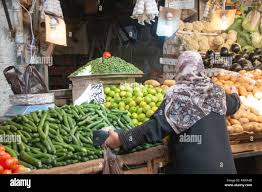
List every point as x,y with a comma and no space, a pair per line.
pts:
180,4
94,92
97,93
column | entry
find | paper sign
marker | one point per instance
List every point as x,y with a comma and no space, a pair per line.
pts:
180,4
94,92
168,22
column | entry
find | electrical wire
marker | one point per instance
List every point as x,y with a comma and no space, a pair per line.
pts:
31,25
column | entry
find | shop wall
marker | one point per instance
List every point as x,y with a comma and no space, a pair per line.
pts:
7,58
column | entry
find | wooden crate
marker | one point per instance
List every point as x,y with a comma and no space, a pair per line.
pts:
151,159
80,83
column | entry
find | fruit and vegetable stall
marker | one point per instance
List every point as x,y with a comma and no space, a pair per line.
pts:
106,93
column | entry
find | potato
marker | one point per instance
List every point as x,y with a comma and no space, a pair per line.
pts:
252,117
243,120
254,111
249,88
242,72
169,82
259,119
237,128
152,82
224,77
237,115
230,129
233,78
247,127
228,122
164,87
234,121
242,91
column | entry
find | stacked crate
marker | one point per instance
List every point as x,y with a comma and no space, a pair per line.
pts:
168,65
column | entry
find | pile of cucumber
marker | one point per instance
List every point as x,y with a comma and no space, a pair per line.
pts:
60,136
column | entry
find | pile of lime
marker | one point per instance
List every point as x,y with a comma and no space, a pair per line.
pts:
141,101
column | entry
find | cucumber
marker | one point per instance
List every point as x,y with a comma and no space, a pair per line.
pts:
75,114
11,151
52,120
27,135
21,147
70,122
35,117
94,124
46,131
35,140
28,159
30,126
99,126
27,165
41,147
119,111
53,126
103,117
79,148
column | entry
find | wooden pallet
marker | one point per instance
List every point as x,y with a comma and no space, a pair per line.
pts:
246,147
245,137
147,162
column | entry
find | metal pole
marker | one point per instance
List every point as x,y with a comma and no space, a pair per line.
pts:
8,18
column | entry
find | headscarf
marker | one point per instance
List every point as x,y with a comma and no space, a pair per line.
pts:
194,96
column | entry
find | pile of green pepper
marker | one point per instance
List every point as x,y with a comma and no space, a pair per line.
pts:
107,66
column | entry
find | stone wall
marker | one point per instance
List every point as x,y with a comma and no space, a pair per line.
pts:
7,58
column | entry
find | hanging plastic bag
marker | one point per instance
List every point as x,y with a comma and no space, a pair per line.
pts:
15,78
29,82
34,83
145,11
112,165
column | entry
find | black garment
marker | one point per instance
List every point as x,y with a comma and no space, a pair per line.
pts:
209,150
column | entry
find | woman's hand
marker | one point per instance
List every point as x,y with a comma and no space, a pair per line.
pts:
113,140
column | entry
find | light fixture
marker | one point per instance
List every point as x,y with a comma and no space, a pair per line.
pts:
55,30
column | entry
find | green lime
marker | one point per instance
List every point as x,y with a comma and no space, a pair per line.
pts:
133,109
132,103
149,113
134,116
107,90
139,110
108,105
146,108
141,117
152,104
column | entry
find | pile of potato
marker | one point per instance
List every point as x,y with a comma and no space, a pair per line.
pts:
249,86
166,84
246,119
245,83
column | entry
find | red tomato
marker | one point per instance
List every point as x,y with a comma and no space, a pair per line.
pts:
7,171
1,169
106,54
16,169
19,169
4,156
9,163
2,148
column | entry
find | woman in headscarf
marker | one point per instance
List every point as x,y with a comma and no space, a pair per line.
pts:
193,114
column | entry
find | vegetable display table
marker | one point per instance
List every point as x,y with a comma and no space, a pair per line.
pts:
142,162
80,83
